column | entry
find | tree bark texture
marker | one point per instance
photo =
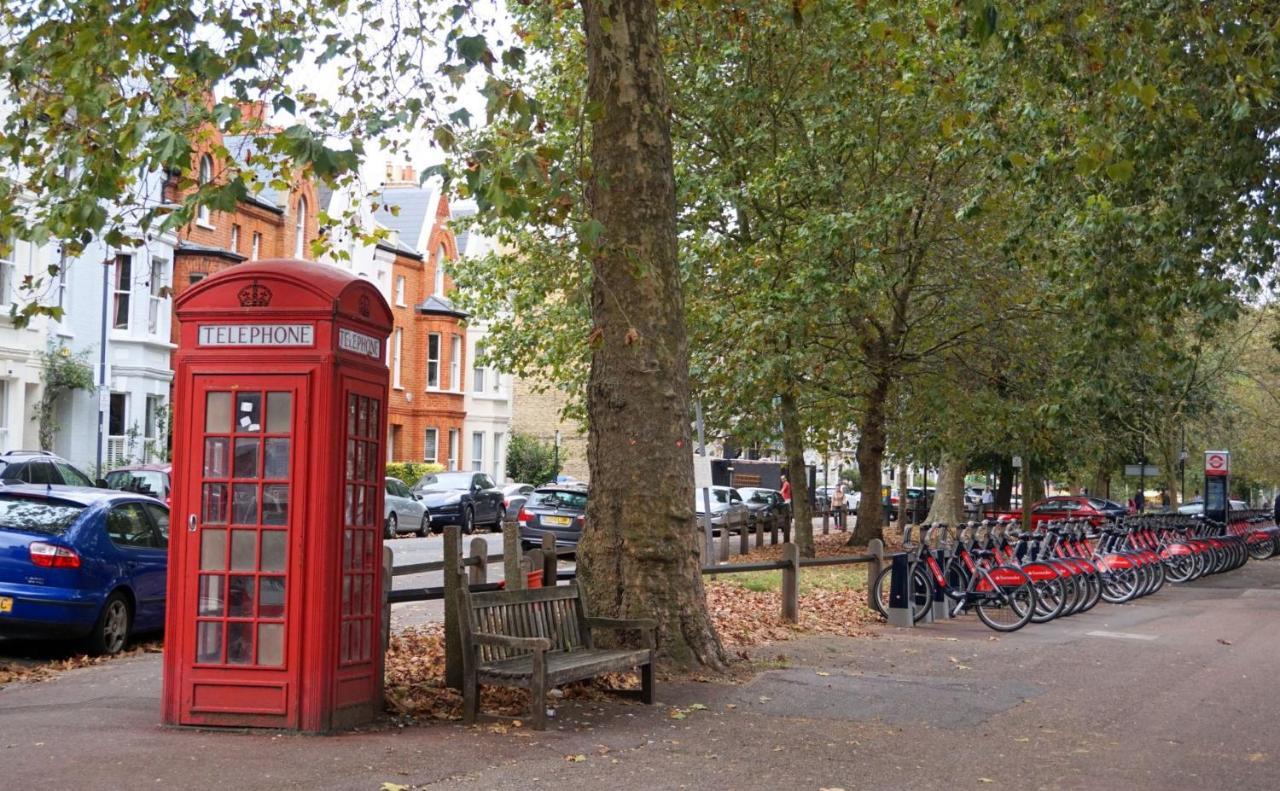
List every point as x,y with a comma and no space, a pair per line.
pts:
948,501
639,553
904,518
1004,484
870,453
793,447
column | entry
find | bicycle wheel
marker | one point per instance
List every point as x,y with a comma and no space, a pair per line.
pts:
1261,546
921,586
1051,599
1180,568
1009,602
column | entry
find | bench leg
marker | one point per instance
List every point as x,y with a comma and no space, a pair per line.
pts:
538,704
646,683
470,700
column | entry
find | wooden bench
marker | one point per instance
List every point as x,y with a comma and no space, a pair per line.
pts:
539,637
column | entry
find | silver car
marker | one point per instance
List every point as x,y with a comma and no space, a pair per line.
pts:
728,511
402,512
514,496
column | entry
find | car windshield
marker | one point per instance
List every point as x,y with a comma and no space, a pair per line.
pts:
447,480
558,499
142,481
51,517
755,495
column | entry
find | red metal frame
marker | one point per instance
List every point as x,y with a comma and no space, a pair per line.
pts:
280,396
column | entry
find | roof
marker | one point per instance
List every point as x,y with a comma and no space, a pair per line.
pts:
439,306
393,244
458,213
244,146
416,212
150,467
185,246
83,495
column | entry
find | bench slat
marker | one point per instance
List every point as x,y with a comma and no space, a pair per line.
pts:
490,598
563,666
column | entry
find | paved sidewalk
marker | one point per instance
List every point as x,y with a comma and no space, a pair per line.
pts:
1174,692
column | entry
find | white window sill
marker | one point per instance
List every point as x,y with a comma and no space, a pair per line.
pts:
401,305
398,387
205,224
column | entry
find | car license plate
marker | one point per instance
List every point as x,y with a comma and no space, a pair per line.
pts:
6,604
559,521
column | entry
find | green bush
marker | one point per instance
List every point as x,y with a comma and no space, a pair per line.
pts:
531,461
411,471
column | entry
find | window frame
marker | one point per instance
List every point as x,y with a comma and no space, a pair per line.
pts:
397,346
204,215
158,278
400,289
455,363
477,454
300,229
431,445
121,290
433,361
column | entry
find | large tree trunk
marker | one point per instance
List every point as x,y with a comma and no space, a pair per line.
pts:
1032,489
870,453
639,554
948,502
793,447
1004,485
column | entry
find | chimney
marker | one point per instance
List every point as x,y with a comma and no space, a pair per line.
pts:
253,114
408,175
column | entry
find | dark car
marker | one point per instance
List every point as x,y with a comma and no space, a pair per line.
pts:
766,506
558,509
40,466
149,479
82,563
467,499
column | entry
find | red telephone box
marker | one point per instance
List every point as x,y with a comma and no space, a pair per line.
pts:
274,604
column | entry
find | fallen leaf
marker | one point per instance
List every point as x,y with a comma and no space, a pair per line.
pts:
1224,642
392,787
697,707
575,759
985,780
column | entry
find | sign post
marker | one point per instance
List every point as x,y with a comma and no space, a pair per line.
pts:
1217,476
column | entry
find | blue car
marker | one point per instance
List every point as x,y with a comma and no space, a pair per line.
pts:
81,563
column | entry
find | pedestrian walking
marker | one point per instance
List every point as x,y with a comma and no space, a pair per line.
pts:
837,506
785,489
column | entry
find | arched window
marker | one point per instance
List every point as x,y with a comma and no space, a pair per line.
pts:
439,285
206,175
300,230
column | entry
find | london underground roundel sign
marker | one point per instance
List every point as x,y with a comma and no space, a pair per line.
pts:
1217,462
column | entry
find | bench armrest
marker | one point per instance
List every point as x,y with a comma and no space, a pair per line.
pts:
646,625
504,641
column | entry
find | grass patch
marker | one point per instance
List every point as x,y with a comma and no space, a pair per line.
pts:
827,578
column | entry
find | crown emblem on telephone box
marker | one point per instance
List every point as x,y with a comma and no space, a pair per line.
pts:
255,296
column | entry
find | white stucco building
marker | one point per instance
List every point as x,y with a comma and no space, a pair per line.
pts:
134,405
490,393
21,368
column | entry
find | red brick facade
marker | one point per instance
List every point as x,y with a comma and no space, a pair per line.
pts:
221,239
427,395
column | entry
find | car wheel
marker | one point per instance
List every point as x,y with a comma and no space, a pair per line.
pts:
499,519
424,529
111,631
468,522
391,525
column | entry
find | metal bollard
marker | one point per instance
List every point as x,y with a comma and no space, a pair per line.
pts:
900,592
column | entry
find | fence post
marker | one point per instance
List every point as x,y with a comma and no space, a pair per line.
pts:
452,584
388,568
791,583
723,545
550,564
479,573
773,530
511,556
875,548
759,534
826,517
744,536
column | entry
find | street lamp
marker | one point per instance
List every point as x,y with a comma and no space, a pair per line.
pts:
557,456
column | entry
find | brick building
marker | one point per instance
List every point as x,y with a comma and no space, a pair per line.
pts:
271,224
427,352
539,417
